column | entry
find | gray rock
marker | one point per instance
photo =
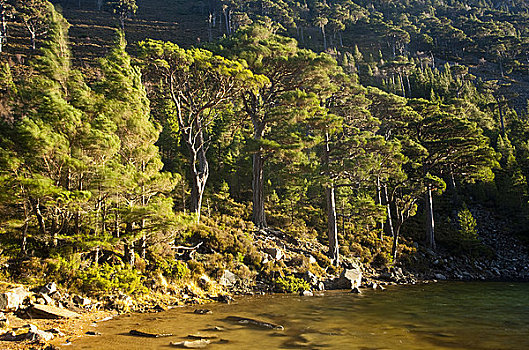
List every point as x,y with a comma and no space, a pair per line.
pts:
52,312
46,298
4,322
49,288
228,279
355,290
81,301
440,276
32,334
349,279
312,260
12,299
275,253
306,293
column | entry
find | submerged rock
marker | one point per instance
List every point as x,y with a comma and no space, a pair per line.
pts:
197,344
202,336
137,333
202,311
252,322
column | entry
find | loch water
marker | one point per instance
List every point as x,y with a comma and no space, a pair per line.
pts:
448,315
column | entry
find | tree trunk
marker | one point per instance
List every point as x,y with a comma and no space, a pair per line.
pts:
334,252
324,37
199,172
332,226
259,215
379,199
430,224
391,232
33,41
395,244
40,218
502,123
3,32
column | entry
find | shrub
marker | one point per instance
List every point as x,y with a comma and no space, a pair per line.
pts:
291,284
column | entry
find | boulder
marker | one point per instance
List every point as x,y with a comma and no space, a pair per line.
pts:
440,276
355,290
28,333
306,293
81,301
228,279
12,299
49,288
45,299
275,253
51,312
349,279
4,323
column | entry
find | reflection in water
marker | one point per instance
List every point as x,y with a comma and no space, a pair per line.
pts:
435,316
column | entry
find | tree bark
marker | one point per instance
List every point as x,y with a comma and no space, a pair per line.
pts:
259,215
389,220
332,225
430,224
334,252
379,198
199,168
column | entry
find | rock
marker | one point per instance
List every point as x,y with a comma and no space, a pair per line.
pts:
275,253
202,311
48,311
47,300
49,288
81,301
12,299
349,279
201,336
93,333
228,279
312,260
440,276
320,286
306,293
355,290
311,278
197,344
252,322
29,332
56,332
137,333
4,323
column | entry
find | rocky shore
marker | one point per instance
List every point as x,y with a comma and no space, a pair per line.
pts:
44,317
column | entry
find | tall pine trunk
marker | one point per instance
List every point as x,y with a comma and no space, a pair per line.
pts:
332,226
334,252
259,215
430,224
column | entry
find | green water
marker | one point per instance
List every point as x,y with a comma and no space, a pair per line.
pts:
435,316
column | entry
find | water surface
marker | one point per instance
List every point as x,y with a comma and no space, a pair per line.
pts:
448,315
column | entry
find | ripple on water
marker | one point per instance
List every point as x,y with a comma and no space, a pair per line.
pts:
472,316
